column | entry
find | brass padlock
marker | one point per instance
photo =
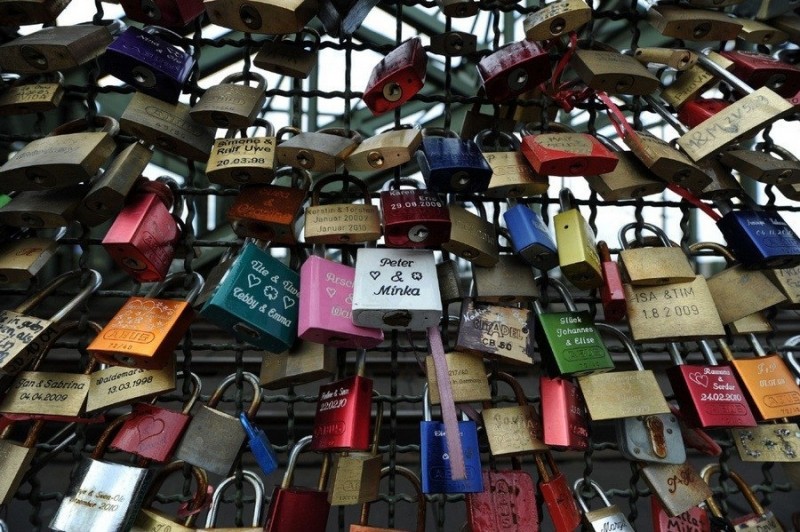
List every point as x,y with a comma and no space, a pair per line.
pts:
472,237
43,209
304,362
502,119
70,154
513,430
33,94
723,185
22,258
680,59
679,487
321,151
762,166
509,282
341,223
294,58
613,72
241,161
231,106
666,162
512,176
556,19
467,378
689,84
21,13
693,24
385,150
271,17
575,241
757,32
653,266
630,179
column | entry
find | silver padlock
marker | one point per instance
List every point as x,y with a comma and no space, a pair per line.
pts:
603,519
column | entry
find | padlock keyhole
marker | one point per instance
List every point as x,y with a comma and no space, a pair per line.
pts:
701,30
250,16
397,318
557,26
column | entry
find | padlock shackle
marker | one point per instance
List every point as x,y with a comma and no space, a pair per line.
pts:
80,297
713,246
603,251
675,354
712,469
62,330
404,181
662,111
790,357
258,487
172,279
169,37
345,178
284,131
107,124
725,349
578,487
376,431
215,398
662,236
566,200
542,468
107,435
294,173
519,392
298,447
511,144
561,288
708,352
710,66
608,143
785,154
438,132
627,343
752,339
250,75
197,388
347,133
198,499
415,483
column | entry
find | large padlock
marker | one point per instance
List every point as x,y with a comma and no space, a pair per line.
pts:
216,502
653,266
231,106
567,153
514,69
167,126
149,519
569,341
610,71
396,289
414,218
146,330
23,258
556,19
269,17
497,332
678,487
15,460
398,76
609,517
294,508
565,423
421,503
150,60
507,502
294,58
435,465
143,237
242,161
759,519
451,164
763,70
302,363
320,151
213,438
762,166
102,495
341,223
32,94
509,282
257,301
512,176
24,336
575,240
531,237
630,178
21,13
385,150
612,295
513,430
467,378
472,237
693,24
556,493
167,13
70,154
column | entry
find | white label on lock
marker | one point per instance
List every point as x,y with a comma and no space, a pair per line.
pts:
396,289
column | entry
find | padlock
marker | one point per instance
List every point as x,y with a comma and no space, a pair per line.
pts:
695,519
302,363
681,59
108,192
146,330
21,13
44,209
55,48
569,341
513,430
153,432
557,495
451,164
396,289
435,467
176,14
763,70
512,176
449,282
23,258
612,295
421,503
610,71
678,487
531,237
15,460
294,508
386,150
504,117
242,161
458,8
509,282
696,111
341,223
355,476
556,19
24,336
709,395
769,442
467,376
270,212
34,94
453,43
102,495
398,76
575,241
143,237
513,69
653,266
256,287
70,154
414,218
565,423
294,58
756,32
567,153
759,519
344,17
693,81
258,503
787,23
213,439
472,237
150,60
693,24
724,185
231,106
259,445
321,151
630,178
149,519
788,281
764,9
609,517
762,166
326,306
507,502
496,332
261,16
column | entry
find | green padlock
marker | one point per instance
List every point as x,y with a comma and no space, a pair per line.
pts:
569,342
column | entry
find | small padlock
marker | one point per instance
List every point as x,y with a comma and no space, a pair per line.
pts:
513,69
493,331
241,161
146,330
513,430
565,423
321,151
566,153
397,77
219,493
421,503
556,493
610,71
344,17
693,24
384,151
763,70
259,445
269,17
36,94
294,58
451,164
175,14
653,266
575,240
694,519
414,218
512,176
21,13
762,166
453,43
472,237
759,519
302,363
341,223
678,487
556,19
449,282
467,376
151,519
769,442
693,81
609,517
150,60
630,178
214,438
531,237
231,106
15,460
458,8
70,154
612,295
509,282
724,185
23,258
681,59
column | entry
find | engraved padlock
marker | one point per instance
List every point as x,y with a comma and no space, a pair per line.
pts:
693,24
397,77
567,153
414,218
610,71
556,19
496,332
295,58
513,69
231,106
32,94
565,422
341,223
653,266
241,161
513,430
22,258
512,175
609,517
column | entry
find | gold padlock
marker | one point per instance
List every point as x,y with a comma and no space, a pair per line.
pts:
513,430
615,73
556,19
231,106
680,59
509,282
512,176
472,237
757,32
305,362
385,150
294,58
504,118
693,24
467,378
321,151
22,258
678,496
666,162
723,185
341,223
630,179
653,266
271,17
693,81
575,241
33,94
762,166
43,209
242,161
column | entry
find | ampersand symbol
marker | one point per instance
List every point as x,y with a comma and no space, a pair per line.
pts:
398,276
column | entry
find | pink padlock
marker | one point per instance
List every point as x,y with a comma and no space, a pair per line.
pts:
326,306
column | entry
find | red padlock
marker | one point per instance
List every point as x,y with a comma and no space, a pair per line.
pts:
514,69
414,219
399,76
761,70
564,421
173,14
567,153
694,519
697,111
612,294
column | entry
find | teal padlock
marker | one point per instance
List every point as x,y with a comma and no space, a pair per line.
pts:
569,341
256,300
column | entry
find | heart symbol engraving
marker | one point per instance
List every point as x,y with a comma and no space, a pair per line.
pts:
374,274
149,427
699,379
253,280
331,291
288,302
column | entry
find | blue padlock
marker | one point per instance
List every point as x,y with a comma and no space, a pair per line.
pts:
759,239
260,446
256,301
531,238
451,164
434,461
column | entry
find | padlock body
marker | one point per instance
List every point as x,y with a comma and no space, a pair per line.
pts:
613,72
355,478
560,502
577,254
150,64
453,165
514,69
612,295
295,508
262,16
496,332
710,396
437,476
22,338
43,208
22,259
567,154
344,223
507,504
267,212
608,518
55,48
769,442
167,13
211,441
151,432
286,58
760,239
651,438
397,77
414,219
237,162
695,519
630,179
306,363
315,151
564,421
570,344
343,409
30,98
641,387
695,112
385,150
142,238
513,177
513,430
531,237
257,301
229,106
471,237
20,13
770,386
509,282
762,70
326,306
